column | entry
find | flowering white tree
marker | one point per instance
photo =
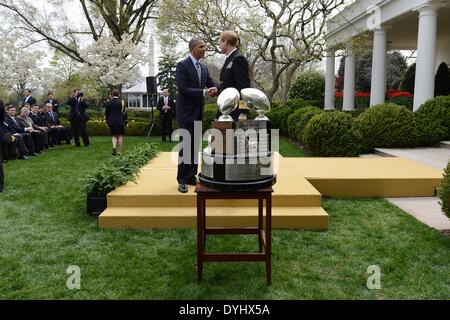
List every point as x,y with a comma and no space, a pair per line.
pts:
113,63
19,68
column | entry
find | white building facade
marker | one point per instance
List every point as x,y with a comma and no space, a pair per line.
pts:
422,25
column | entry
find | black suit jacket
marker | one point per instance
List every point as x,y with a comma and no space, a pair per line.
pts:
38,120
52,121
2,112
116,112
83,117
235,74
11,126
171,104
191,100
55,104
30,101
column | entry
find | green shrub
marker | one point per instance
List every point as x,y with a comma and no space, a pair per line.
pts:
442,81
294,120
409,79
295,104
208,117
304,120
275,104
308,86
387,126
433,121
135,128
332,134
117,171
444,192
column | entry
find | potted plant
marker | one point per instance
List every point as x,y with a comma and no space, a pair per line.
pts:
112,174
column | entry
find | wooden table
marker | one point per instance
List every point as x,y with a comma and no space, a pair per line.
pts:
265,237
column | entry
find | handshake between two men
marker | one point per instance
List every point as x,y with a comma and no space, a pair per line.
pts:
212,92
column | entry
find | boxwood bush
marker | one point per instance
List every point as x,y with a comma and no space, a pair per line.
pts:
433,121
387,126
332,134
444,192
304,120
295,118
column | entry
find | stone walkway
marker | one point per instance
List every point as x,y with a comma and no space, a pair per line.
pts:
426,210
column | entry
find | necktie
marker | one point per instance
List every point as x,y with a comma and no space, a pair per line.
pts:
199,72
77,107
51,114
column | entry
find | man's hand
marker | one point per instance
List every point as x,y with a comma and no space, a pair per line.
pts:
212,92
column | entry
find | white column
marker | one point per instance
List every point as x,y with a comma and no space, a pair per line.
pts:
330,80
349,81
378,87
426,55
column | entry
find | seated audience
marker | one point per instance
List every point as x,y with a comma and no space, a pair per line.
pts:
39,134
24,138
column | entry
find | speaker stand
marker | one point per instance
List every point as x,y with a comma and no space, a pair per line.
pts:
151,126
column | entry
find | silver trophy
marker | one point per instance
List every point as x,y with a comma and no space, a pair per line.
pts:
227,102
258,101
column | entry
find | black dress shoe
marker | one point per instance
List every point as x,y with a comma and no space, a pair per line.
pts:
23,158
182,188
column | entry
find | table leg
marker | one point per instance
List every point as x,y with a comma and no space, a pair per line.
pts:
260,222
269,239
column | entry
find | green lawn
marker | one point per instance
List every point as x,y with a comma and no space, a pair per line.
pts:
44,229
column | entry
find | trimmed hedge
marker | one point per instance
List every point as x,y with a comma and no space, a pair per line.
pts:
444,192
295,118
332,134
304,120
433,121
387,126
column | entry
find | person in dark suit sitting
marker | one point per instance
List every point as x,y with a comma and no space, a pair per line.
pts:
39,134
194,83
52,118
24,138
235,71
28,99
53,102
2,118
53,136
78,118
117,118
166,107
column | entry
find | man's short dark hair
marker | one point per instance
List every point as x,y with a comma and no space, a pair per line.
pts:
194,42
115,92
10,107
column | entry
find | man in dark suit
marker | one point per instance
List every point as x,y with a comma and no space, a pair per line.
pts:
2,118
54,102
52,118
78,118
194,83
25,142
235,71
52,134
166,107
28,99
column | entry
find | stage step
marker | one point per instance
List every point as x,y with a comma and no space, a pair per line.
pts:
314,218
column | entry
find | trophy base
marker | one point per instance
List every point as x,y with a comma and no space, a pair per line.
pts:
238,185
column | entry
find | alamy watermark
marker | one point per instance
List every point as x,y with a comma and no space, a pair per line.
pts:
74,280
374,280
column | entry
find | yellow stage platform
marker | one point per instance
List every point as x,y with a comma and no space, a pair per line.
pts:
154,202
